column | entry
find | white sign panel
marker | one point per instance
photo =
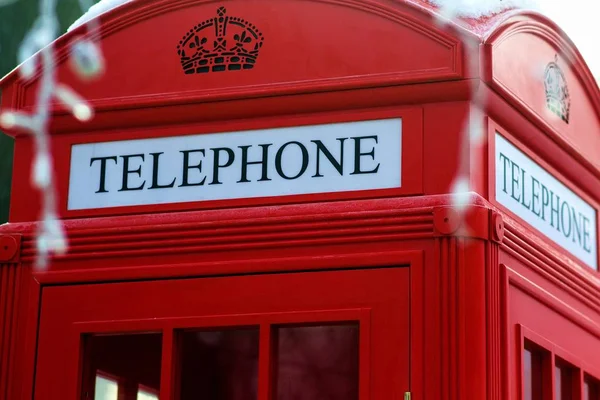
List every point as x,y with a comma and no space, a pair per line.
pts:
544,202
325,158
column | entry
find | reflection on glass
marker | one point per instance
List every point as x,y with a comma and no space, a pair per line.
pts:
586,391
219,365
533,375
591,390
557,383
317,362
117,366
563,389
527,377
106,389
146,394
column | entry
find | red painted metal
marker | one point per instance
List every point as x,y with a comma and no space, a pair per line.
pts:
381,294
9,248
452,290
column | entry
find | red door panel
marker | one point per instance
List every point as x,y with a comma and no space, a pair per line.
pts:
344,334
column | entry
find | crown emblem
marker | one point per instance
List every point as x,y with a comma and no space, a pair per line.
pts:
222,43
557,92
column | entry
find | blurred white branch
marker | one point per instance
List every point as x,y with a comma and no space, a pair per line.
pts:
37,52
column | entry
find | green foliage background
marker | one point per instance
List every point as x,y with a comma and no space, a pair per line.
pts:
15,21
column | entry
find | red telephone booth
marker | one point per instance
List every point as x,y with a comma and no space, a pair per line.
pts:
262,209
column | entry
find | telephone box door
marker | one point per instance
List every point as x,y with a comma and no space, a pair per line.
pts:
337,335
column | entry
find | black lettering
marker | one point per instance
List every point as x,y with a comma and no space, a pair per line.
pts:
554,211
155,184
185,181
279,155
339,166
514,180
358,154
545,201
216,165
562,218
506,161
576,217
523,197
103,160
586,235
535,195
262,162
127,171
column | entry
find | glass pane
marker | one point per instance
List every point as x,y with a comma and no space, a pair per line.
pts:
591,391
586,390
146,394
527,378
219,365
117,365
557,383
563,386
106,389
317,362
533,373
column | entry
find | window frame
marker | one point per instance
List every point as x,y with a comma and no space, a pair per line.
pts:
556,356
266,322
534,349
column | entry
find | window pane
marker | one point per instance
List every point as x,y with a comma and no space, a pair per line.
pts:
591,389
557,383
563,383
586,390
116,365
146,394
317,362
106,389
532,373
527,377
219,365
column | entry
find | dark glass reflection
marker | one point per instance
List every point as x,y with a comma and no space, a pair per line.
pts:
118,366
317,362
219,365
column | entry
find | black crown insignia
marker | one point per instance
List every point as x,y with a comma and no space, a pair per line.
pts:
557,92
220,44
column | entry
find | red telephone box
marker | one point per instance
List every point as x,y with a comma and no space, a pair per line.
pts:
262,208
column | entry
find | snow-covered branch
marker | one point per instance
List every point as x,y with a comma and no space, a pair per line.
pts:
37,53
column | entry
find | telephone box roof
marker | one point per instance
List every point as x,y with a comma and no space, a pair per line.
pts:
319,46
482,26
